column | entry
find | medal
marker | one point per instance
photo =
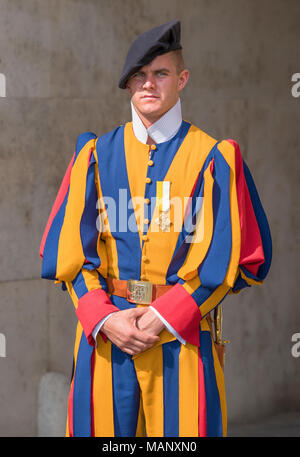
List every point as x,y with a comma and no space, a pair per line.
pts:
163,199
163,222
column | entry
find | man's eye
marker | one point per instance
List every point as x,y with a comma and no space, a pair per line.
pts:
138,75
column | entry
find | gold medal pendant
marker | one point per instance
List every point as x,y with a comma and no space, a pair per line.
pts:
163,198
163,221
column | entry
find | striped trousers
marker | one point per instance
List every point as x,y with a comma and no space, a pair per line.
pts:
170,390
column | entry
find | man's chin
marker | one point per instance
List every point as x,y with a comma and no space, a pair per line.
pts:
150,107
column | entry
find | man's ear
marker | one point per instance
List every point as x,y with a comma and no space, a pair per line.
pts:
128,89
183,79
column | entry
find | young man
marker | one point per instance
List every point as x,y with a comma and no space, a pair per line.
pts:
154,224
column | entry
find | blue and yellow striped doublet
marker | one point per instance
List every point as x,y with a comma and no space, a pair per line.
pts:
104,224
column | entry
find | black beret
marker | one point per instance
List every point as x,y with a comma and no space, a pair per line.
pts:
148,45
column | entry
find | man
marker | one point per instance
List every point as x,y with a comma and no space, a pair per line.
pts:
154,224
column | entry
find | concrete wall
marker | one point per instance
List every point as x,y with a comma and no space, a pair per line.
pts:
62,61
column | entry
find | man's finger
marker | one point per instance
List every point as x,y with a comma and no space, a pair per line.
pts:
134,349
137,312
144,337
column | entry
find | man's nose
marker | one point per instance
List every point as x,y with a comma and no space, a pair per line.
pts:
149,82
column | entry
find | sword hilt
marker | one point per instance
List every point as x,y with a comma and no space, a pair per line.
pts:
218,325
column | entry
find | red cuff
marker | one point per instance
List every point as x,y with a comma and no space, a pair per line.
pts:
181,311
92,307
252,253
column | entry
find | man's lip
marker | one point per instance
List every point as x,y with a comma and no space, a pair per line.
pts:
149,96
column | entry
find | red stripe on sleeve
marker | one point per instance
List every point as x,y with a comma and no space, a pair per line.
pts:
181,311
92,308
252,254
57,204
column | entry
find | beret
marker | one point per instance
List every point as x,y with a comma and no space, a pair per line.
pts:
148,45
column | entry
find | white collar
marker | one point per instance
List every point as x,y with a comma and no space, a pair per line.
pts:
162,130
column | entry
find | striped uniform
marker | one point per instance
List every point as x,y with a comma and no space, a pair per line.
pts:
96,230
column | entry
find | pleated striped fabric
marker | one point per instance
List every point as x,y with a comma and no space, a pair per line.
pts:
104,223
181,396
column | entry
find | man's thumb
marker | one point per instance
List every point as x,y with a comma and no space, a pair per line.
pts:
140,311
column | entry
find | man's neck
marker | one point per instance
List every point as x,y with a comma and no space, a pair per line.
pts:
150,141
163,129
149,120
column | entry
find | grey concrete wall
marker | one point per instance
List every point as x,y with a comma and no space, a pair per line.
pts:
62,60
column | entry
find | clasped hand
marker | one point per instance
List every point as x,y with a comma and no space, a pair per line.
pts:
133,330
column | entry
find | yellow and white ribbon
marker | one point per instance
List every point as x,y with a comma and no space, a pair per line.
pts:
163,202
163,195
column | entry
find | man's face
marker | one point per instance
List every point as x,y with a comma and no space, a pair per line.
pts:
155,88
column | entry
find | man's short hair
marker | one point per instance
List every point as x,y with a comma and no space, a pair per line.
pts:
179,61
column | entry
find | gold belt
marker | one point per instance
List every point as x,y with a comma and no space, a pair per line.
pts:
140,292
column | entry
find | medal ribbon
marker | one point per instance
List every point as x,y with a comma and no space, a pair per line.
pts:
163,195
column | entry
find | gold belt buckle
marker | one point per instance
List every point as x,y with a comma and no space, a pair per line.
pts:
139,292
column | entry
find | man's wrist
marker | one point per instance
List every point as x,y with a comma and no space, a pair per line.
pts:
100,325
104,324
152,320
168,326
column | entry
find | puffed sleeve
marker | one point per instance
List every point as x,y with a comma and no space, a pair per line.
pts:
71,249
229,249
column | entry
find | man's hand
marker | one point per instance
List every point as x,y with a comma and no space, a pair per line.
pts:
121,329
150,323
